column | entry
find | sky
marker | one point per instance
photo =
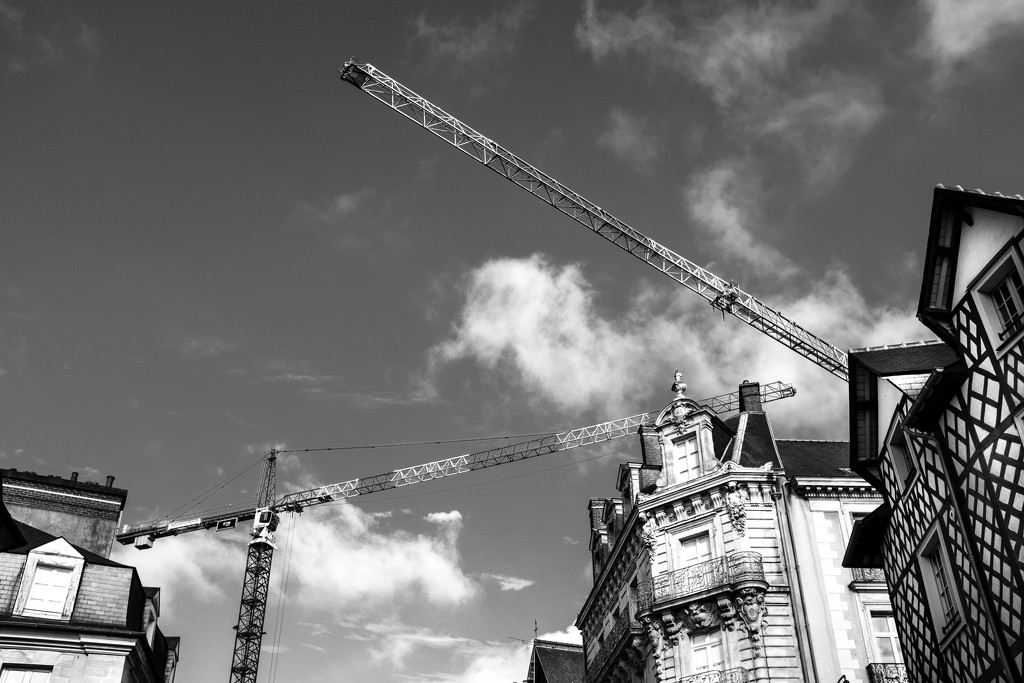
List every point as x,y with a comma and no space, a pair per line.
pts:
211,246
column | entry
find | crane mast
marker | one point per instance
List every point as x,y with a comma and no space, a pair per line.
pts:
722,294
256,583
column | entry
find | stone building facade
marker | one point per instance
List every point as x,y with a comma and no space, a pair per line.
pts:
69,614
938,429
720,562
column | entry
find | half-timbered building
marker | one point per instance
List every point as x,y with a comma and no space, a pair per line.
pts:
937,428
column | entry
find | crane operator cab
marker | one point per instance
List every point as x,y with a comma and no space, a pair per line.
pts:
264,525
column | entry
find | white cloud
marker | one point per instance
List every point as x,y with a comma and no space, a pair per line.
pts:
536,326
722,201
629,138
487,662
823,125
34,39
197,566
473,46
508,583
343,558
197,347
734,54
957,31
338,218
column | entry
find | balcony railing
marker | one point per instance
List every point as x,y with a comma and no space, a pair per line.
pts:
868,574
887,673
612,641
737,675
717,573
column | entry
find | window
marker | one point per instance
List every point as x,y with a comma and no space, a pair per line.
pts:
708,654
24,674
901,457
49,582
49,591
1001,300
887,642
942,599
687,459
1008,298
695,549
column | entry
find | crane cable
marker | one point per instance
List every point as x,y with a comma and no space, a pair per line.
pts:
205,495
282,593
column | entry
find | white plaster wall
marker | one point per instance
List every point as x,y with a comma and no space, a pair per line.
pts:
979,243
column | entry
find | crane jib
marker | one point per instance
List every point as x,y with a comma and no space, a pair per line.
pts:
721,293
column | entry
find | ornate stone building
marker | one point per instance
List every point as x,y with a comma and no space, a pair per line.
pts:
937,428
720,562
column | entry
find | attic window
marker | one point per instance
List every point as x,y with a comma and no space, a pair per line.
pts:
49,584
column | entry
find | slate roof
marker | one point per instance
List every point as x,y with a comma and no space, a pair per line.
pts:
557,662
35,537
756,447
905,359
809,458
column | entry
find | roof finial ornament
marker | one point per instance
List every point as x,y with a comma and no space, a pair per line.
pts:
679,386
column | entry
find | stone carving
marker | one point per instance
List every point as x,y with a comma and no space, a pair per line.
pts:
751,608
671,628
736,506
726,612
678,385
647,535
699,616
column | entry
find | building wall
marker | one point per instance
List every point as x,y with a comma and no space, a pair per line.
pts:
967,495
84,513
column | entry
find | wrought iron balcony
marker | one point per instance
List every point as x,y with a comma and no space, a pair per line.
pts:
868,574
737,675
721,572
620,631
887,673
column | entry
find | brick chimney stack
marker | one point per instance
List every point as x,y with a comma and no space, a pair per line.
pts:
750,397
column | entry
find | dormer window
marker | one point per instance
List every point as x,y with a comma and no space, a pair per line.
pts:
50,582
48,592
687,458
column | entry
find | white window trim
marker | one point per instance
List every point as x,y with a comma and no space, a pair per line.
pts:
982,294
706,526
75,564
729,660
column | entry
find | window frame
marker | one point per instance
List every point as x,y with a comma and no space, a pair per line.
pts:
1000,334
902,457
7,669
886,612
680,447
43,556
945,608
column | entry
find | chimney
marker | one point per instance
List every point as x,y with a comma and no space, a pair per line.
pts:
74,476
750,397
596,512
110,479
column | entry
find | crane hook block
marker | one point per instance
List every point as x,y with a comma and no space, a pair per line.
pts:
352,73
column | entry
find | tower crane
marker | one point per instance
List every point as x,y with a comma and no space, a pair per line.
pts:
265,515
722,294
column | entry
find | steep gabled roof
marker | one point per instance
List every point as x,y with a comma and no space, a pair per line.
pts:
557,662
809,458
35,538
753,445
910,358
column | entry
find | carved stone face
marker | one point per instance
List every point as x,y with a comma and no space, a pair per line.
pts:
699,615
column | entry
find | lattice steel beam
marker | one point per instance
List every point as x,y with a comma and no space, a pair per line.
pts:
722,294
